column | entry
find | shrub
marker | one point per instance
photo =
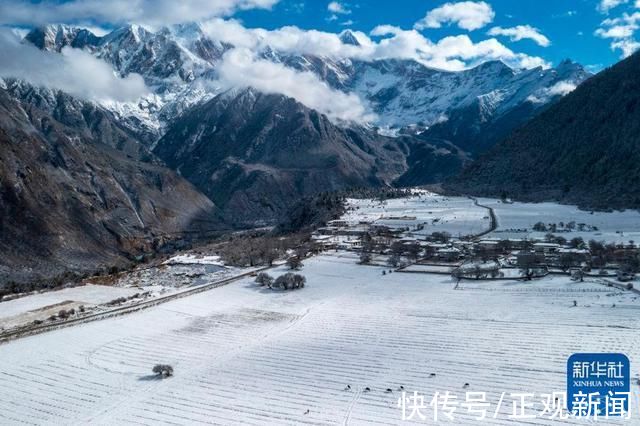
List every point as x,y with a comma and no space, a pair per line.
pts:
163,370
263,279
299,281
290,281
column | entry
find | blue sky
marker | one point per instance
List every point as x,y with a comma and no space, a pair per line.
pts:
569,24
596,33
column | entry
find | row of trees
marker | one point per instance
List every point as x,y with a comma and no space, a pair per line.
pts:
262,250
569,226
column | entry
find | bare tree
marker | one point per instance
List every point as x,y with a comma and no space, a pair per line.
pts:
394,260
365,257
413,251
294,263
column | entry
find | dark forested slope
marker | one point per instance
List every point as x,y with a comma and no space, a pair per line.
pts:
585,149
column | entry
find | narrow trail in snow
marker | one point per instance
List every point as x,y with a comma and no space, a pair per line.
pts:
352,404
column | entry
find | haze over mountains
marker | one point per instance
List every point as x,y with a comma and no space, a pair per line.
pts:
249,152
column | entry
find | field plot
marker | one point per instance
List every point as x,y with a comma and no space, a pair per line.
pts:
245,355
456,215
616,227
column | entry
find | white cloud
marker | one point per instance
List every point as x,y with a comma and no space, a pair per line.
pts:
286,39
337,7
521,32
74,71
99,31
240,68
618,31
606,5
450,53
621,31
468,15
561,88
152,12
628,47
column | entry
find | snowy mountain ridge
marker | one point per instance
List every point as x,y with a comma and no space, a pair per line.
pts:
179,64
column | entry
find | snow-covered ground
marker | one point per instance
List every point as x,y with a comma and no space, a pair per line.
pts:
191,259
246,355
618,227
179,273
455,215
40,306
460,216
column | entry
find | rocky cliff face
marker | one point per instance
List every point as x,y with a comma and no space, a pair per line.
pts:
74,195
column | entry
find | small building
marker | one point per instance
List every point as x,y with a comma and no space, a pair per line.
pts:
449,254
581,255
546,248
324,241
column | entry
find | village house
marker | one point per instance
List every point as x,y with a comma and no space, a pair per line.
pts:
546,248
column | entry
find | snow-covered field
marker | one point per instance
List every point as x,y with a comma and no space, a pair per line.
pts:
40,306
617,227
245,355
460,216
177,274
455,215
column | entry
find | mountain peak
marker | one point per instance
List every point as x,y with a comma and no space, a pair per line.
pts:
55,37
348,37
134,32
569,65
496,66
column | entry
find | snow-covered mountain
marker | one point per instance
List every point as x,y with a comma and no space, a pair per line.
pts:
179,64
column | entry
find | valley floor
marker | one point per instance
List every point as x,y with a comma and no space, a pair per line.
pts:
246,355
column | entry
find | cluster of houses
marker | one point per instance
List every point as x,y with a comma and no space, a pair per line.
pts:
524,254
